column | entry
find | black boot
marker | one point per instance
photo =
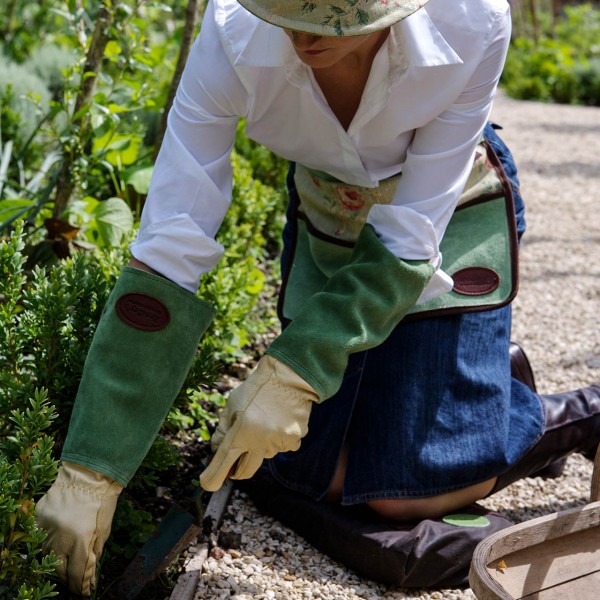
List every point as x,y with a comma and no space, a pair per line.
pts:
520,368
572,424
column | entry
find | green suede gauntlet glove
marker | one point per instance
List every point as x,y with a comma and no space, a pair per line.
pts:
356,310
139,358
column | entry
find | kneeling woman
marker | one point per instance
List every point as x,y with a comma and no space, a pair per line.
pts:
390,387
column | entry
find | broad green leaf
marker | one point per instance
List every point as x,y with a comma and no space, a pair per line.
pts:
113,220
112,49
116,108
139,178
256,280
120,149
91,204
12,206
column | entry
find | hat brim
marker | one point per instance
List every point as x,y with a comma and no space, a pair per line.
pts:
333,17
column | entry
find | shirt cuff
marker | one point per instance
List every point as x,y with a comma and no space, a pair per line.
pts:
410,235
440,283
177,249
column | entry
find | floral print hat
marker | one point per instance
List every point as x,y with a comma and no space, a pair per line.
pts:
333,17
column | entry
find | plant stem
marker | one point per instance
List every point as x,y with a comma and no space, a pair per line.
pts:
93,62
8,15
534,20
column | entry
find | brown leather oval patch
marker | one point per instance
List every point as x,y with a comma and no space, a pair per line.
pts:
142,312
475,281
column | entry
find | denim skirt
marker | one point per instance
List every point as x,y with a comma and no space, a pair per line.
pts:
432,409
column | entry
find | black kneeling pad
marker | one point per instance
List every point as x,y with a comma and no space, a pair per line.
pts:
433,553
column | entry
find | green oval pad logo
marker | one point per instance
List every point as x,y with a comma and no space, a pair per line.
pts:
466,520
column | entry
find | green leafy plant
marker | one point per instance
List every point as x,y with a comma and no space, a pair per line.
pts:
25,93
561,64
250,231
131,529
200,415
105,224
26,469
62,306
61,251
26,463
24,23
92,121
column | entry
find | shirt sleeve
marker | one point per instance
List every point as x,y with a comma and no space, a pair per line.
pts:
438,165
190,190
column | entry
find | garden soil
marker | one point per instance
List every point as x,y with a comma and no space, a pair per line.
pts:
555,318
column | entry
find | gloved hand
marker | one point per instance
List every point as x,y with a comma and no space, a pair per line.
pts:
77,513
266,414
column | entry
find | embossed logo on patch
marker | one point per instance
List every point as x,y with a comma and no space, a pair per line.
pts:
475,281
142,312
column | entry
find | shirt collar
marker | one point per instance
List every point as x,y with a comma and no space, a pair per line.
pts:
420,42
413,42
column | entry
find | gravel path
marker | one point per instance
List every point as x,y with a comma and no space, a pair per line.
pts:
556,317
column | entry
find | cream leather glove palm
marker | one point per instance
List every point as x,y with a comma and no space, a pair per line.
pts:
266,414
77,513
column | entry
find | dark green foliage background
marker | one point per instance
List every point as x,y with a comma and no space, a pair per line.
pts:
562,64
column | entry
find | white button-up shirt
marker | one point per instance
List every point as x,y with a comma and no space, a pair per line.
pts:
426,101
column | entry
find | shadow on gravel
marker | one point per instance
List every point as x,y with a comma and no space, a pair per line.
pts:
566,128
530,239
577,169
533,511
547,275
